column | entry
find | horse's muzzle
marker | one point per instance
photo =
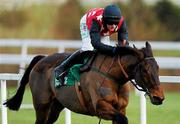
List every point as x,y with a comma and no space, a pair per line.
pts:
156,100
156,95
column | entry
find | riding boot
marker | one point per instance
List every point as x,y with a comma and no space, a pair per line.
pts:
60,70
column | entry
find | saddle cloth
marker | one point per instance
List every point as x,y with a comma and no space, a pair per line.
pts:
71,78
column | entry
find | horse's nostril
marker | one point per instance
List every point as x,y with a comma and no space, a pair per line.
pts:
156,100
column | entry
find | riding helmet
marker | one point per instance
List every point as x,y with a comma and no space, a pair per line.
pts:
111,14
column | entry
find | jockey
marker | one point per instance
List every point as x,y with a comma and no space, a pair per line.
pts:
96,26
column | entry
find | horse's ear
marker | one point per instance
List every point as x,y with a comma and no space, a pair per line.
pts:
148,45
134,47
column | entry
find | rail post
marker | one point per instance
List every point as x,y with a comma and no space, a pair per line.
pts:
3,98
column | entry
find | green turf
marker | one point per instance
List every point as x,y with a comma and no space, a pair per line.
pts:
168,113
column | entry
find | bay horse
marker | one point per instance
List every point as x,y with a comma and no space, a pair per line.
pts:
104,88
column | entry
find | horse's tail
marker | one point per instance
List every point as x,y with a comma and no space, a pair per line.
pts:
15,102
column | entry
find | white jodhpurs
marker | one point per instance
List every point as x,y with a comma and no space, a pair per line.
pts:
85,36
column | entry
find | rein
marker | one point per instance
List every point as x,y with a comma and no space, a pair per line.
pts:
144,89
105,74
126,75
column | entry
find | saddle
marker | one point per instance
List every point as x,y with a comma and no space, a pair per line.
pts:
87,65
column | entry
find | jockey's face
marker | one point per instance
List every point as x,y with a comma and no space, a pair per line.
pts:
111,27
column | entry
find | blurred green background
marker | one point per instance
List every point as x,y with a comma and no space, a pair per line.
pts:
51,20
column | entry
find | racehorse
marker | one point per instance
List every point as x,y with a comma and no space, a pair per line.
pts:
104,91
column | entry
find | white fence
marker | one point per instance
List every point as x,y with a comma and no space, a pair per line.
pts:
24,58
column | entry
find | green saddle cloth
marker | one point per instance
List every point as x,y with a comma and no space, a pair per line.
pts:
71,78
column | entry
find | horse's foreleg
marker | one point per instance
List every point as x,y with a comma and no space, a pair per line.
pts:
120,119
106,111
123,99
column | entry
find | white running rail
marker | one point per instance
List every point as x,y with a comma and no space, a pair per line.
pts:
24,58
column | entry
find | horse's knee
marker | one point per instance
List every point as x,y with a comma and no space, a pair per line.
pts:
105,110
120,118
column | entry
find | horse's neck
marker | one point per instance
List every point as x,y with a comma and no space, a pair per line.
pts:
102,62
110,66
129,63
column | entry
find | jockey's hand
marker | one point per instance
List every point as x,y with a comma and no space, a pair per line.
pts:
124,42
117,49
120,48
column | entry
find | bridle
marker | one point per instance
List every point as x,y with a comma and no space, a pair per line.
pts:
143,87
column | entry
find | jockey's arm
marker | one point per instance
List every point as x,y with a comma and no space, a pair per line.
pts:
123,35
96,40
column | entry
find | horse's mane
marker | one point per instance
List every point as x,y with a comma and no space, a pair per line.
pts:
128,50
140,53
